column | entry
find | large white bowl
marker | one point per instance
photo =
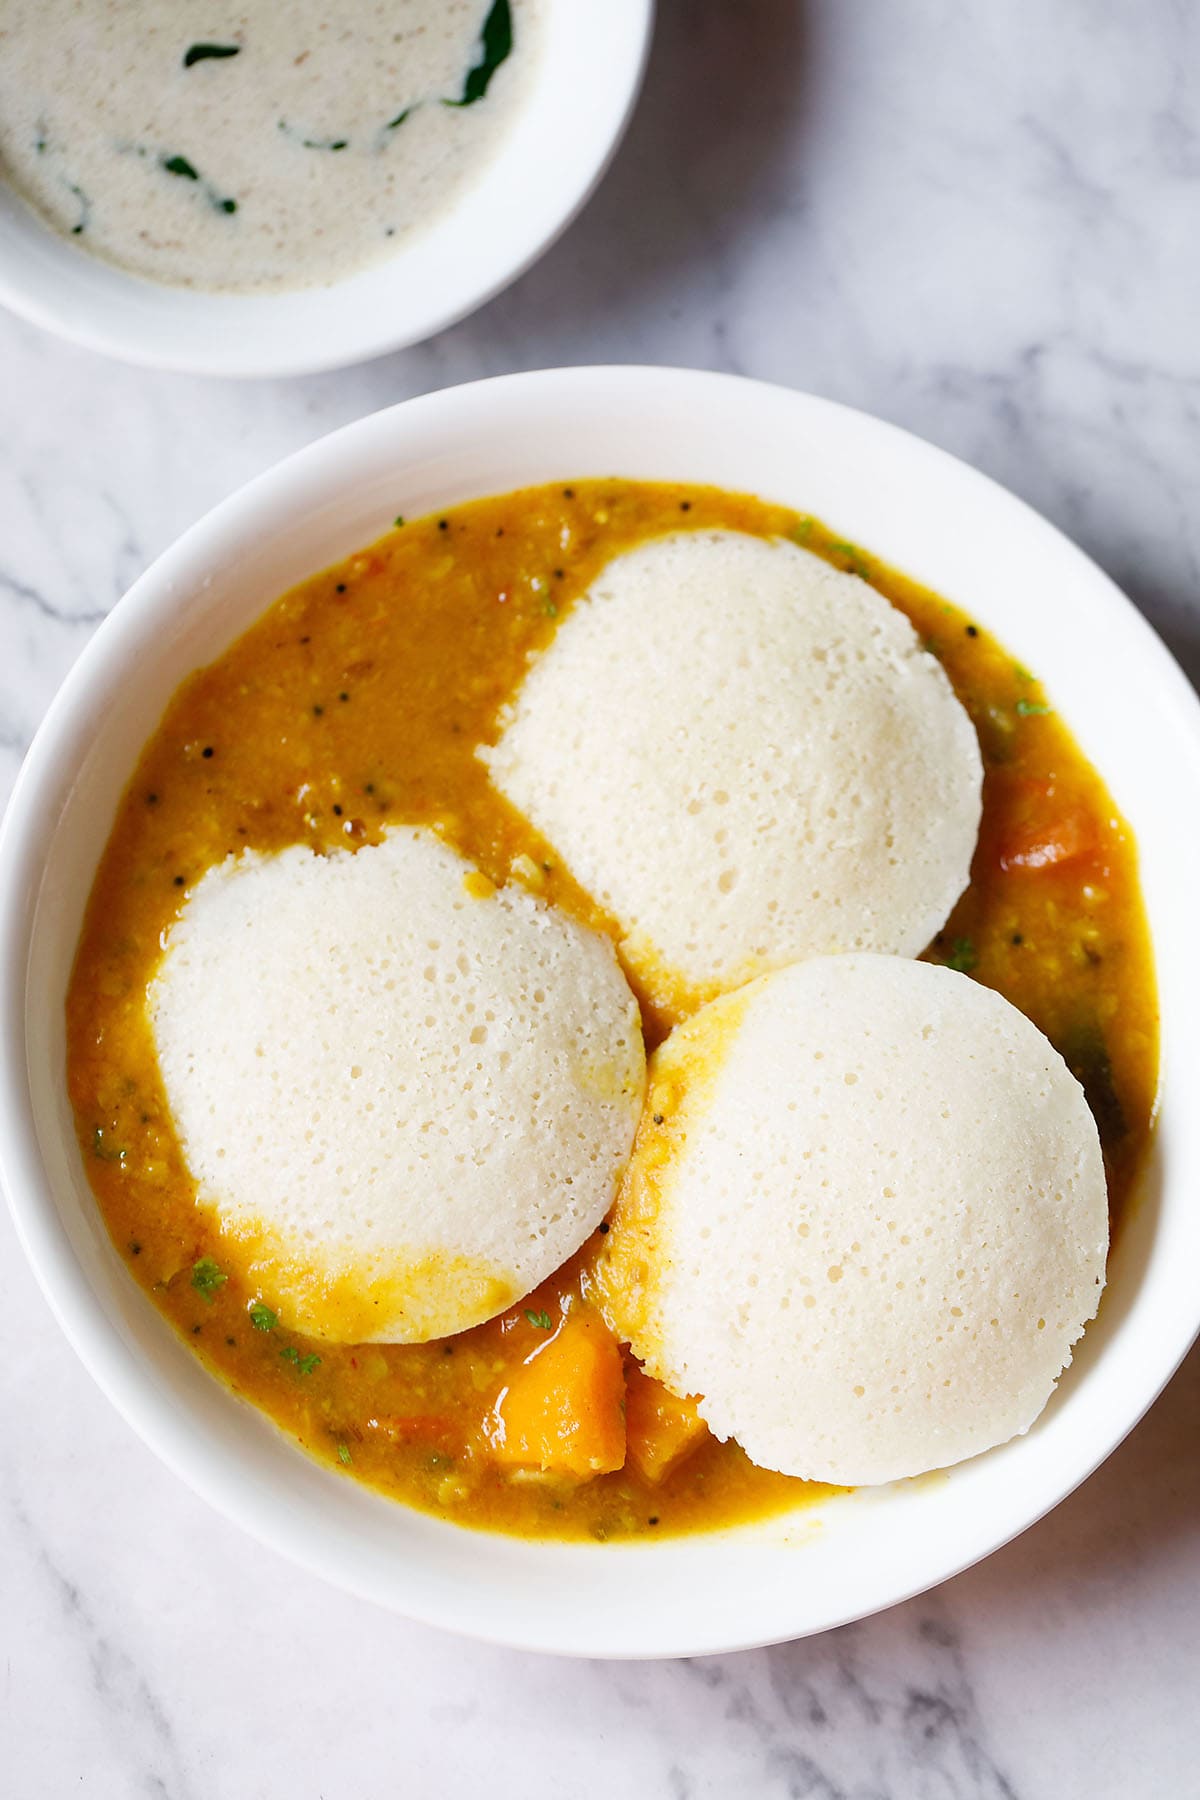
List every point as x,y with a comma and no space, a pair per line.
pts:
588,72
1134,714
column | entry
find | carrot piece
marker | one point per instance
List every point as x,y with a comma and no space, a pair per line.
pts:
660,1429
563,1410
1046,832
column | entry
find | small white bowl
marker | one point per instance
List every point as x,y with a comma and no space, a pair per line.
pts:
1135,716
589,69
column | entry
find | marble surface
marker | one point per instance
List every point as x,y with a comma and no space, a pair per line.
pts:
981,222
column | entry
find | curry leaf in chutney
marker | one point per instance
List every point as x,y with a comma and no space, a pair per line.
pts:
1085,1053
85,210
209,53
179,165
496,46
306,143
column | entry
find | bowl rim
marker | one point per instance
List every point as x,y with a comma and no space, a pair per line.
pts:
86,300
24,835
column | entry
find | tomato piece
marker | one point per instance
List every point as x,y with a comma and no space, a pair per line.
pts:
1045,830
436,1430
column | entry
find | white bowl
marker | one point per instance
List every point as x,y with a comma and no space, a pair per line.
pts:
1134,714
589,69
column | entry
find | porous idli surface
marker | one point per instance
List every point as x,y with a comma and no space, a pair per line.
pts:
746,757
406,1095
865,1219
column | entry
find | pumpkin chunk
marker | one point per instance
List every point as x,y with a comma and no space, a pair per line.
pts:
563,1410
661,1430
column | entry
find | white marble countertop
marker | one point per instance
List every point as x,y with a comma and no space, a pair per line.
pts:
982,222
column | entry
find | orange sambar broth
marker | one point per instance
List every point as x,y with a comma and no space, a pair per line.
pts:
356,702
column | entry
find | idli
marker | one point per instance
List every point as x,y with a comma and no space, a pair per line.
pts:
406,1095
746,757
865,1219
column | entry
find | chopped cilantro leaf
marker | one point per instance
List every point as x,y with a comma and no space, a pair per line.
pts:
853,555
344,1456
1030,709
963,956
304,1365
207,1277
262,1318
541,1319
106,1151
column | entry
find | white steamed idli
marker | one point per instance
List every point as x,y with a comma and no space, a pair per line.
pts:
747,758
865,1219
407,1096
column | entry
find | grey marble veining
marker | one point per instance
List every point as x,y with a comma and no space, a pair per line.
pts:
982,222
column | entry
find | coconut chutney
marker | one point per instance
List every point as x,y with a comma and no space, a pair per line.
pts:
256,146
